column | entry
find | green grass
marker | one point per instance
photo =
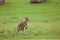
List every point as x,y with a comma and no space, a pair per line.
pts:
44,19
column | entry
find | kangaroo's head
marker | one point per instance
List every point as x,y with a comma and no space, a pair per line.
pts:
26,18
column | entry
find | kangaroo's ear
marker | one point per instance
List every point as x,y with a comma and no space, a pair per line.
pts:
26,17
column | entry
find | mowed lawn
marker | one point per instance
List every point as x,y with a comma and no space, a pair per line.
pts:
44,20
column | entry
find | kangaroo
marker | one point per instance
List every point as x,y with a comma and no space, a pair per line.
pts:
22,25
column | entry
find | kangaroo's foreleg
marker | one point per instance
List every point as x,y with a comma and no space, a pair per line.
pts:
25,27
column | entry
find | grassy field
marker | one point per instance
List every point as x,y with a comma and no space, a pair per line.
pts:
44,20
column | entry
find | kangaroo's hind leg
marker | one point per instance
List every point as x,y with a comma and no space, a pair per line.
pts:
18,29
